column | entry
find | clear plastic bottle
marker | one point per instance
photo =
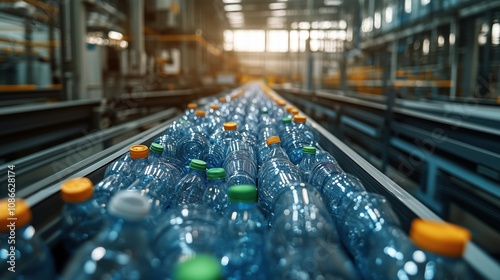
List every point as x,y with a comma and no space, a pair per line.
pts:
245,231
303,243
121,249
308,161
216,191
275,150
433,251
139,158
214,156
322,171
191,187
82,216
240,164
199,267
189,113
191,146
172,168
24,254
186,231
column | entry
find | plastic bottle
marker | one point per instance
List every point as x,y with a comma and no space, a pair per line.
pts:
214,156
273,176
190,111
322,171
434,250
24,254
302,128
230,133
275,150
245,231
238,165
215,193
171,168
121,249
339,187
358,215
191,187
139,158
82,216
191,146
199,267
308,162
302,242
186,231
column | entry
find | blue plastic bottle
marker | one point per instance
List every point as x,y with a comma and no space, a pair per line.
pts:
121,249
245,232
303,243
82,216
308,162
27,257
215,194
191,187
186,231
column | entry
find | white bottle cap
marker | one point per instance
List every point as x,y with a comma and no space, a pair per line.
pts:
130,205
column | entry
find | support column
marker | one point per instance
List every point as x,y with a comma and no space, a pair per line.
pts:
470,58
78,49
137,62
454,29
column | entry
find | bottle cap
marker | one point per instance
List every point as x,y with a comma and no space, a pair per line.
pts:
242,193
200,113
192,106
200,267
294,112
288,108
273,140
130,205
440,237
286,120
156,148
299,118
309,150
222,100
230,126
216,173
18,209
280,103
214,107
264,111
77,190
197,164
139,151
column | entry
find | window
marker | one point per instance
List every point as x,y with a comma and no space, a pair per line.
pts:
277,41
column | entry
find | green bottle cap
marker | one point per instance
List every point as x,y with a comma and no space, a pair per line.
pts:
216,173
156,148
309,150
197,164
242,193
264,111
286,120
200,267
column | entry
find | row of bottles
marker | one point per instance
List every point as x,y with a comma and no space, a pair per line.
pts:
240,190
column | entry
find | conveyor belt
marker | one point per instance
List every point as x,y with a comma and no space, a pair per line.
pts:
46,202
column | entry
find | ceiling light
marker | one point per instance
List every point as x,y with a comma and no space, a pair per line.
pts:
333,2
234,15
115,35
232,8
277,6
231,1
278,13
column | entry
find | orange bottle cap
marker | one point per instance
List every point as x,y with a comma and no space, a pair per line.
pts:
192,105
288,108
139,151
294,111
15,208
77,190
214,107
280,103
440,237
222,100
230,126
200,113
299,119
273,140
